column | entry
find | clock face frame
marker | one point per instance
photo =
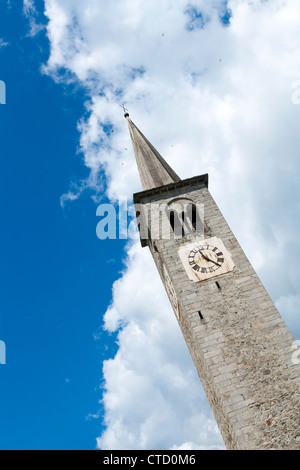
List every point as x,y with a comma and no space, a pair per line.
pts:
205,259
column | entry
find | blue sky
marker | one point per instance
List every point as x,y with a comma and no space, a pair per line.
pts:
55,274
95,358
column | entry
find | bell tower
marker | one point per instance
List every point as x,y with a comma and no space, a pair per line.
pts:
239,343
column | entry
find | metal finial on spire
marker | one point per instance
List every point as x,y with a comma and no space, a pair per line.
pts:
126,114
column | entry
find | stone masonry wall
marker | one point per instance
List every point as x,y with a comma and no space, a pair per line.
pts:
241,348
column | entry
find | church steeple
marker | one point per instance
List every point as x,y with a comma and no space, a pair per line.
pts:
241,347
153,169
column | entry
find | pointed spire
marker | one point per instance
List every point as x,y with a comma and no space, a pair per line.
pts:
153,169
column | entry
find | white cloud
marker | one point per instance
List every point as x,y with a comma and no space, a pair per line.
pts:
30,12
152,374
3,43
211,98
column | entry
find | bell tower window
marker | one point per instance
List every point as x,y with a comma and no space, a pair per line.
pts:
184,217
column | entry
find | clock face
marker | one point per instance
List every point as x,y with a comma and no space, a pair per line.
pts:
205,259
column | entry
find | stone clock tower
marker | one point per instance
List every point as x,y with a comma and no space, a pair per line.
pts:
240,345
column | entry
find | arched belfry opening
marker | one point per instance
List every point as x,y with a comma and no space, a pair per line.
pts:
185,217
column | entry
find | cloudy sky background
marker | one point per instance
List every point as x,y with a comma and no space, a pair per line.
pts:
214,86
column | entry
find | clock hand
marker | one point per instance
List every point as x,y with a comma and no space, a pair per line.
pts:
207,259
217,264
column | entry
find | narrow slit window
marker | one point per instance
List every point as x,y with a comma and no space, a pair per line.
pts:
218,286
200,315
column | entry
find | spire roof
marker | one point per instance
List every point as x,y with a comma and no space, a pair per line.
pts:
153,169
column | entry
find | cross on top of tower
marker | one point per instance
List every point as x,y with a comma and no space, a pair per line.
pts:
126,114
